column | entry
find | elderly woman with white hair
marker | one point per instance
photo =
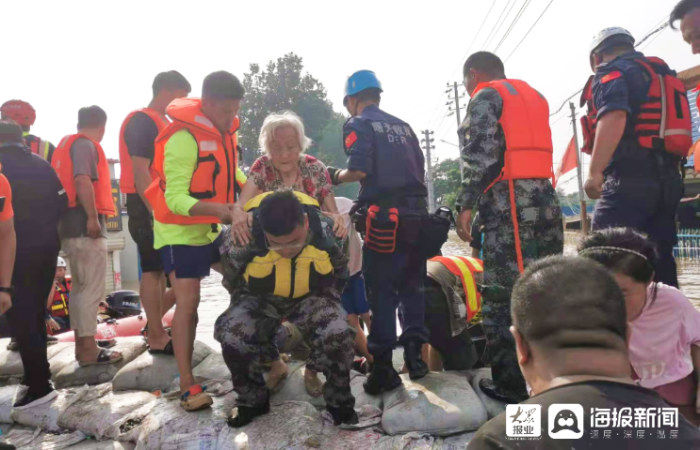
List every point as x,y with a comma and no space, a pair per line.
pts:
285,166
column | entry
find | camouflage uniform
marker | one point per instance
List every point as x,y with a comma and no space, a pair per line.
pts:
482,145
247,329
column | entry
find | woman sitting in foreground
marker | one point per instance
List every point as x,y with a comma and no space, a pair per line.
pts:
664,327
284,166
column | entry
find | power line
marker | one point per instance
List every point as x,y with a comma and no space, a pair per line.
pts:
518,15
497,25
531,28
479,30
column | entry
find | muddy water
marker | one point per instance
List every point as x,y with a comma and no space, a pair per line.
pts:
215,299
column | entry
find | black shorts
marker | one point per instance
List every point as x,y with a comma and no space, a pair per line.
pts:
141,230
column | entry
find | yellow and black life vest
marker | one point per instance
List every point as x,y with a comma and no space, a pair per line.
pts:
268,273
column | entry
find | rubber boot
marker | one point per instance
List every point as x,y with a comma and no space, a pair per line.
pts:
346,415
417,368
382,377
243,415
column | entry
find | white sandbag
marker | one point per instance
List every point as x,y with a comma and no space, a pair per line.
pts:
458,442
8,395
10,362
75,375
116,416
441,403
212,367
60,357
358,391
154,372
45,416
408,441
493,407
91,444
27,438
292,388
289,425
335,438
169,425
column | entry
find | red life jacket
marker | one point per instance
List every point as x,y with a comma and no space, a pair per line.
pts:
663,121
59,307
63,165
214,177
126,179
525,123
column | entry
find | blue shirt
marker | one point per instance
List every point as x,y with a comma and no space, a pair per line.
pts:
38,198
622,85
386,149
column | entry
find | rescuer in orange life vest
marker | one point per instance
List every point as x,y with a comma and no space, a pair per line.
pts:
637,131
24,115
136,151
195,165
57,305
83,169
506,144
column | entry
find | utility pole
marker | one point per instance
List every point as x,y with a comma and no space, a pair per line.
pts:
581,198
454,90
428,146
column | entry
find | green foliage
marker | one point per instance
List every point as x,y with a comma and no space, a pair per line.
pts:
446,182
281,86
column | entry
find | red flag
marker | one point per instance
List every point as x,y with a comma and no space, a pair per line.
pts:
568,162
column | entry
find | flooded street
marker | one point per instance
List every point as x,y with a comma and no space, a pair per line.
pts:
215,298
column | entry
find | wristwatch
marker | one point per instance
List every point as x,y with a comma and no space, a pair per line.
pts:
10,289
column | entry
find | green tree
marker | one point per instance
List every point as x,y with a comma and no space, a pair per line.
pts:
446,182
283,85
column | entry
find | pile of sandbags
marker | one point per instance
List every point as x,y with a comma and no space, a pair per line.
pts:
440,404
493,406
150,372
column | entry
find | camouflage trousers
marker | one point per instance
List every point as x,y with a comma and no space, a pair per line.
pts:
247,329
539,238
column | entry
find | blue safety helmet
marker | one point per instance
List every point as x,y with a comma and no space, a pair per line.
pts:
361,80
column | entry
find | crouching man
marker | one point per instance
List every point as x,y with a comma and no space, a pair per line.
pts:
293,269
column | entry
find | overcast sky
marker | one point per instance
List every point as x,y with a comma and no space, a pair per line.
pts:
61,55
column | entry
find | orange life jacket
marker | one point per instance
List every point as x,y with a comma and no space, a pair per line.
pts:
214,177
63,165
466,268
59,307
525,123
126,179
663,121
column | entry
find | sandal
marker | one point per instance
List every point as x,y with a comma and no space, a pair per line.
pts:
167,350
104,357
195,398
106,343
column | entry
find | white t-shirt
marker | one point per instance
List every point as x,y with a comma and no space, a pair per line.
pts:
662,336
354,240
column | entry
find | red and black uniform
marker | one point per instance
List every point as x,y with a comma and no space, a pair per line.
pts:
643,185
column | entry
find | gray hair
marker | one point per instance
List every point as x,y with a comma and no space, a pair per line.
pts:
273,122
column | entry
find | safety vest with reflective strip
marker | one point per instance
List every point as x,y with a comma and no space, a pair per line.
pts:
272,274
466,269
63,165
37,146
215,175
59,307
126,179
